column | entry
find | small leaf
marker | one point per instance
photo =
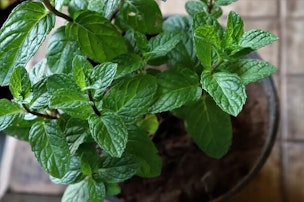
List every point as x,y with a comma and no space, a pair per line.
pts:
80,67
250,70
234,30
74,103
97,191
256,39
176,88
110,133
91,31
227,90
76,192
224,2
112,188
38,72
127,63
20,84
133,97
141,146
8,113
143,16
202,19
194,7
149,124
61,51
137,41
20,39
209,34
115,170
50,148
209,126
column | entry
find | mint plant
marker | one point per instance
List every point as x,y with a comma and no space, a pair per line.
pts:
89,108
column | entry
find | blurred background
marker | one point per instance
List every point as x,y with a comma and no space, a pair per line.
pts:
282,177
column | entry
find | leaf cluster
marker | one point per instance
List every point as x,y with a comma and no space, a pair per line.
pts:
89,107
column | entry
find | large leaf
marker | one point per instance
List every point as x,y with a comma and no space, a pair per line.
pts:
20,39
61,51
141,146
97,191
94,32
177,86
110,133
209,126
115,170
50,148
227,90
76,192
256,39
131,97
8,113
20,84
143,16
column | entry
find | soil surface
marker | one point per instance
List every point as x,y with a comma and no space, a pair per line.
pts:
190,176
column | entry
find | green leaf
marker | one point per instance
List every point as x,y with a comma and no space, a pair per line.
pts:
94,32
203,51
19,128
227,90
60,81
8,113
143,16
20,84
133,97
76,192
209,34
256,39
74,103
89,158
177,23
162,44
149,124
112,188
224,2
109,7
61,51
74,175
194,7
141,146
110,133
50,148
209,126
59,4
115,170
127,63
38,72
101,77
234,30
79,69
137,41
202,18
177,86
250,70
97,191
20,39
40,96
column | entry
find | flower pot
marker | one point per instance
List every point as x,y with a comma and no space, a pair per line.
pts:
189,175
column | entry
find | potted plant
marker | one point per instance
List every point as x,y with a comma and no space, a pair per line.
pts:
90,110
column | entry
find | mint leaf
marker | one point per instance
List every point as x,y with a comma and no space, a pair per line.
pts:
91,31
143,16
101,77
163,44
149,123
50,148
97,191
256,39
76,192
176,88
38,72
226,89
194,7
19,128
110,133
136,41
209,34
234,30
209,126
61,51
224,2
40,96
133,97
201,19
115,170
8,113
250,70
20,84
141,146
80,67
109,7
60,81
20,39
112,188
127,63
73,102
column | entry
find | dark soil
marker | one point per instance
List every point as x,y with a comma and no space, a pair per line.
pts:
190,176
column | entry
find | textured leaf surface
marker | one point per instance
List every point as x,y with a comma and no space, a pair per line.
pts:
20,84
94,32
97,191
8,113
50,148
127,63
234,30
76,192
227,90
194,7
110,133
20,39
256,39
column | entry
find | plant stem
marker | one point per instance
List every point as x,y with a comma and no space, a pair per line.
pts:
56,12
97,112
215,66
210,6
46,116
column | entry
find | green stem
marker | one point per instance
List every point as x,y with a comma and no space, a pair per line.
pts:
46,116
56,12
215,66
96,111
